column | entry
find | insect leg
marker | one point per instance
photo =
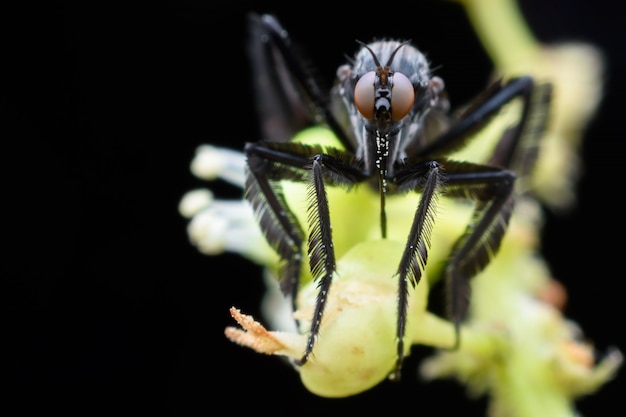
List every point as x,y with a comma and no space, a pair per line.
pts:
337,171
269,163
492,186
289,95
278,223
533,118
493,190
427,178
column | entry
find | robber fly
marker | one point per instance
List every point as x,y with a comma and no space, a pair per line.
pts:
391,114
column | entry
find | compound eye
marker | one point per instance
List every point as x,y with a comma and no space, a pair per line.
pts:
402,96
364,95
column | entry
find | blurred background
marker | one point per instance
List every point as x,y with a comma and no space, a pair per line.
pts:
107,307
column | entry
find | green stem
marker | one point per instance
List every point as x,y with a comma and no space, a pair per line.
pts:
502,30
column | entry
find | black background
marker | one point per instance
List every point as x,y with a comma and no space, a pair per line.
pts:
110,310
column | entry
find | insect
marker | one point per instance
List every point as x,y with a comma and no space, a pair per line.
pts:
392,116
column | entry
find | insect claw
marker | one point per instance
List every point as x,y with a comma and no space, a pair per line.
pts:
304,359
396,374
